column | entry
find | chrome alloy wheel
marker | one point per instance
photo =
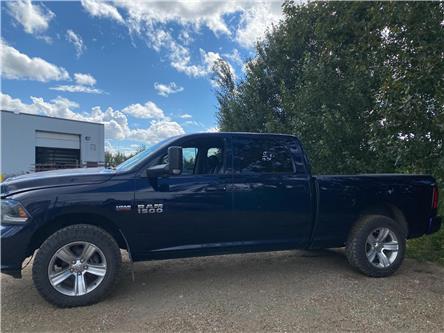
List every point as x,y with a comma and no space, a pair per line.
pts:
77,268
382,247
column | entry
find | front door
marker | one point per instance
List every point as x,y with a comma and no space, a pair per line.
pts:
188,212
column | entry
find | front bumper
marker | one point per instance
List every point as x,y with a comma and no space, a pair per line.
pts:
434,224
14,247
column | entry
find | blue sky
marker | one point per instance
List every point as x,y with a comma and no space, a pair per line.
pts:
141,68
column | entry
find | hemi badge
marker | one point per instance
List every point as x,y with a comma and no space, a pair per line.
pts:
123,208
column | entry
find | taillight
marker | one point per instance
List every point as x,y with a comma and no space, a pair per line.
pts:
435,197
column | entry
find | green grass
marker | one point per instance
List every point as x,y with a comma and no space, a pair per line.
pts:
431,247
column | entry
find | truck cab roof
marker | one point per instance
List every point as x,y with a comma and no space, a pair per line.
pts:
233,134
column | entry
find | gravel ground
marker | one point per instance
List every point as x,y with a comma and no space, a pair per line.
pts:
272,292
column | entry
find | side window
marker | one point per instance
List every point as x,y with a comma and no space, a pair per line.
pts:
261,156
200,157
189,160
215,152
298,156
214,160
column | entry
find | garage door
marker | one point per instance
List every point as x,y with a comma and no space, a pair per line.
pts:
56,151
57,140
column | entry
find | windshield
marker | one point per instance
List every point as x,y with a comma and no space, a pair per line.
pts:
138,158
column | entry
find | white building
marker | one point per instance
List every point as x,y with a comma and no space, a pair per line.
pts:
35,143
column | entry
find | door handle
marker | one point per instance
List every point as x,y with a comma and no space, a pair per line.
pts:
239,187
215,189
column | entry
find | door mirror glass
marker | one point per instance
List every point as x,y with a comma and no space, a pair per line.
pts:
157,171
175,160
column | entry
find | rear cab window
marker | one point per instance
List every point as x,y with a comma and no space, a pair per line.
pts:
267,155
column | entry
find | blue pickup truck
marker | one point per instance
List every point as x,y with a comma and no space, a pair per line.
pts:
203,194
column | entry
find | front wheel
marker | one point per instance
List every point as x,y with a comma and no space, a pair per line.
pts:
77,265
376,246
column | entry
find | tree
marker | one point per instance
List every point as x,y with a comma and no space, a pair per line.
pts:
360,83
114,159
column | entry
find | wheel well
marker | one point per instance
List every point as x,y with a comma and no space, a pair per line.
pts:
390,211
70,219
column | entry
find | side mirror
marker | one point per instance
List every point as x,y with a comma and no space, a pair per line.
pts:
175,160
157,171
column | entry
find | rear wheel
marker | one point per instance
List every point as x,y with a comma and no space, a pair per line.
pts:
376,246
77,265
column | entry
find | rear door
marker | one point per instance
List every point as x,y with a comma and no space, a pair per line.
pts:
270,187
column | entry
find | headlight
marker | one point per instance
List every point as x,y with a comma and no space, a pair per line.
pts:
12,212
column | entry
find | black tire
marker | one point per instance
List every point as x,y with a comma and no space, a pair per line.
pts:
76,233
357,246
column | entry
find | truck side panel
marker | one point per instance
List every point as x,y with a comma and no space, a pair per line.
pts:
344,199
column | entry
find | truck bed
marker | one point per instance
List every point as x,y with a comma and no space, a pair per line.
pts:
342,199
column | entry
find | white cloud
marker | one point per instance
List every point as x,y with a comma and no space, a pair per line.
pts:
255,17
209,59
77,41
125,150
14,104
102,9
84,84
256,20
149,19
186,116
58,107
235,57
77,88
185,37
156,131
84,79
192,13
149,110
17,65
110,148
115,121
180,59
167,89
180,56
46,39
213,129
193,123
34,18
